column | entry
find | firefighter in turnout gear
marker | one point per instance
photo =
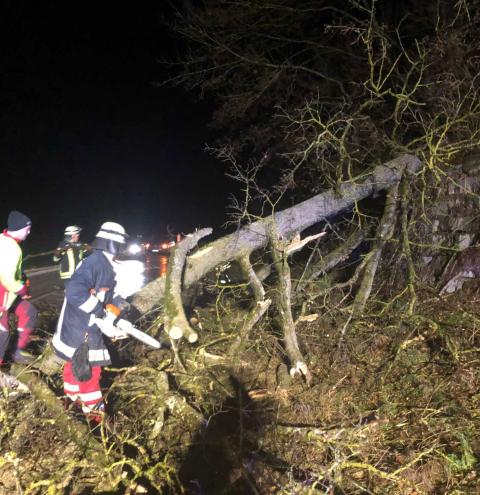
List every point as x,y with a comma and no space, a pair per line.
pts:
90,311
69,253
14,288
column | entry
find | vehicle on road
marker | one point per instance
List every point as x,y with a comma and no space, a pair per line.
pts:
161,247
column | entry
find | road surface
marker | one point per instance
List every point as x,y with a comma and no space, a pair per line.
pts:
44,282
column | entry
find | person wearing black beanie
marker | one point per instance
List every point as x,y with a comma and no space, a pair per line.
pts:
17,221
14,296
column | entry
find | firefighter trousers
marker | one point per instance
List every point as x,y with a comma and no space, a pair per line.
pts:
88,393
26,315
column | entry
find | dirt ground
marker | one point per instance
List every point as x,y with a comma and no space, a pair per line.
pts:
392,409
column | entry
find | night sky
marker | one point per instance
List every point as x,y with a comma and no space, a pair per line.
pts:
88,137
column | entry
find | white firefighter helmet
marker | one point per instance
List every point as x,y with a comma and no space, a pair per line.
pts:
110,237
72,229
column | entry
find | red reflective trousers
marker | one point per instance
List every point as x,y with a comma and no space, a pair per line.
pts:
26,314
88,393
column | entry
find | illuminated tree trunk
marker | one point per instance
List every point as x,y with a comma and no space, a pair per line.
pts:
298,365
176,323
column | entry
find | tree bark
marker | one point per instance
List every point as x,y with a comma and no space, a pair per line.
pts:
261,305
176,323
384,233
295,219
252,277
298,366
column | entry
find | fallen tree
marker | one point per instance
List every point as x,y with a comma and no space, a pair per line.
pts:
255,236
288,222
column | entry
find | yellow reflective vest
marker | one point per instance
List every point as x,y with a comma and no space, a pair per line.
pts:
68,255
10,270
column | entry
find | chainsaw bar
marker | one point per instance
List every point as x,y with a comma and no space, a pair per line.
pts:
143,337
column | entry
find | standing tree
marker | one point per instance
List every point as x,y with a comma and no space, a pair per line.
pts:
310,95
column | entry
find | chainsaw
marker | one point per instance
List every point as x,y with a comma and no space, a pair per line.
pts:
128,328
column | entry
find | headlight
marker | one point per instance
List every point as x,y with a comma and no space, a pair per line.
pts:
134,249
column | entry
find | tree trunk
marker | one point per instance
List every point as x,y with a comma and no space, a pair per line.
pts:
384,233
261,305
283,294
176,324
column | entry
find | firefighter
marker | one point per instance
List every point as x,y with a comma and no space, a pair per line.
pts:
69,253
91,310
14,296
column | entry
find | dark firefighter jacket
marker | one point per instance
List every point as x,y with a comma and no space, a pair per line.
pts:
69,254
84,300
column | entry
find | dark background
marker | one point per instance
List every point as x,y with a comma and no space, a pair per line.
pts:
86,134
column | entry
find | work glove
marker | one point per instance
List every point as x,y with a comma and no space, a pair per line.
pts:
58,254
108,328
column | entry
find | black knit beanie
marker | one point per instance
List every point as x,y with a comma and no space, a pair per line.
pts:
17,221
